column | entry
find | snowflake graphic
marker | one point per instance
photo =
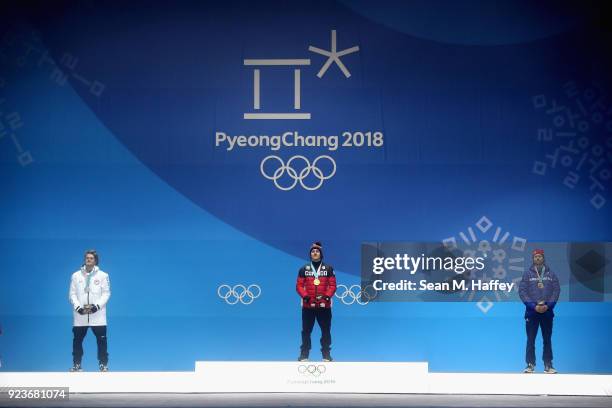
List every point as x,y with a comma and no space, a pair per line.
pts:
504,255
578,139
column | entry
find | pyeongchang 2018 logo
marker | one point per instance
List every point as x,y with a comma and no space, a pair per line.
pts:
287,173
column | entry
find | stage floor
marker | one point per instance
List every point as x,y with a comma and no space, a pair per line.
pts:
311,384
319,400
271,377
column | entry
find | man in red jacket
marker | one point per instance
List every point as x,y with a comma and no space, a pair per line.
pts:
316,285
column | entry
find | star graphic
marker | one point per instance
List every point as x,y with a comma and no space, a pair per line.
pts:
333,56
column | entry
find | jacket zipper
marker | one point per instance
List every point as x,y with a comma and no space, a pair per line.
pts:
317,287
88,303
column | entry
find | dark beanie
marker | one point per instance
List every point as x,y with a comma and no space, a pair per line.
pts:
318,246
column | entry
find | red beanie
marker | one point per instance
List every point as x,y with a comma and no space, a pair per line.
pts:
537,252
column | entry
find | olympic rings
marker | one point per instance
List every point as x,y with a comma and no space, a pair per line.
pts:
238,293
354,294
293,173
311,369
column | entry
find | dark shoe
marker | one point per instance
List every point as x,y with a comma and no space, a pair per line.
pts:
327,356
76,367
529,369
303,356
103,367
549,369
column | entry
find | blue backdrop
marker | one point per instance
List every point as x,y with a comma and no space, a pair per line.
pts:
109,112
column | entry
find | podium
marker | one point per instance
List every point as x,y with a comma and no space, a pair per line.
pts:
346,377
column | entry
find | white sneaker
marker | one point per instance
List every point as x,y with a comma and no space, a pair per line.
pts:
550,370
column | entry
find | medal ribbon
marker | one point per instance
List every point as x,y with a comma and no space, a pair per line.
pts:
316,271
540,278
88,278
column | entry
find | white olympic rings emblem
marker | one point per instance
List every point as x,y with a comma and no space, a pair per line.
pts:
315,370
239,293
291,172
350,296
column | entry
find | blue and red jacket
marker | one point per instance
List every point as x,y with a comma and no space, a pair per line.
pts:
313,296
531,294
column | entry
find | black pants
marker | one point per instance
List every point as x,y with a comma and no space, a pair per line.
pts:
77,343
323,317
531,324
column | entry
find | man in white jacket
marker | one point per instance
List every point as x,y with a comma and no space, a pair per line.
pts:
89,294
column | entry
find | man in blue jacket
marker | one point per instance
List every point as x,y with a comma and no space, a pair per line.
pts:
539,290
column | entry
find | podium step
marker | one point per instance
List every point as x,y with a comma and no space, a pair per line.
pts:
354,377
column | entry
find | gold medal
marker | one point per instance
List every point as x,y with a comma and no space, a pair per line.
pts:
317,282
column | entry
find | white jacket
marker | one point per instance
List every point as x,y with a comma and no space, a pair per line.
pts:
97,293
